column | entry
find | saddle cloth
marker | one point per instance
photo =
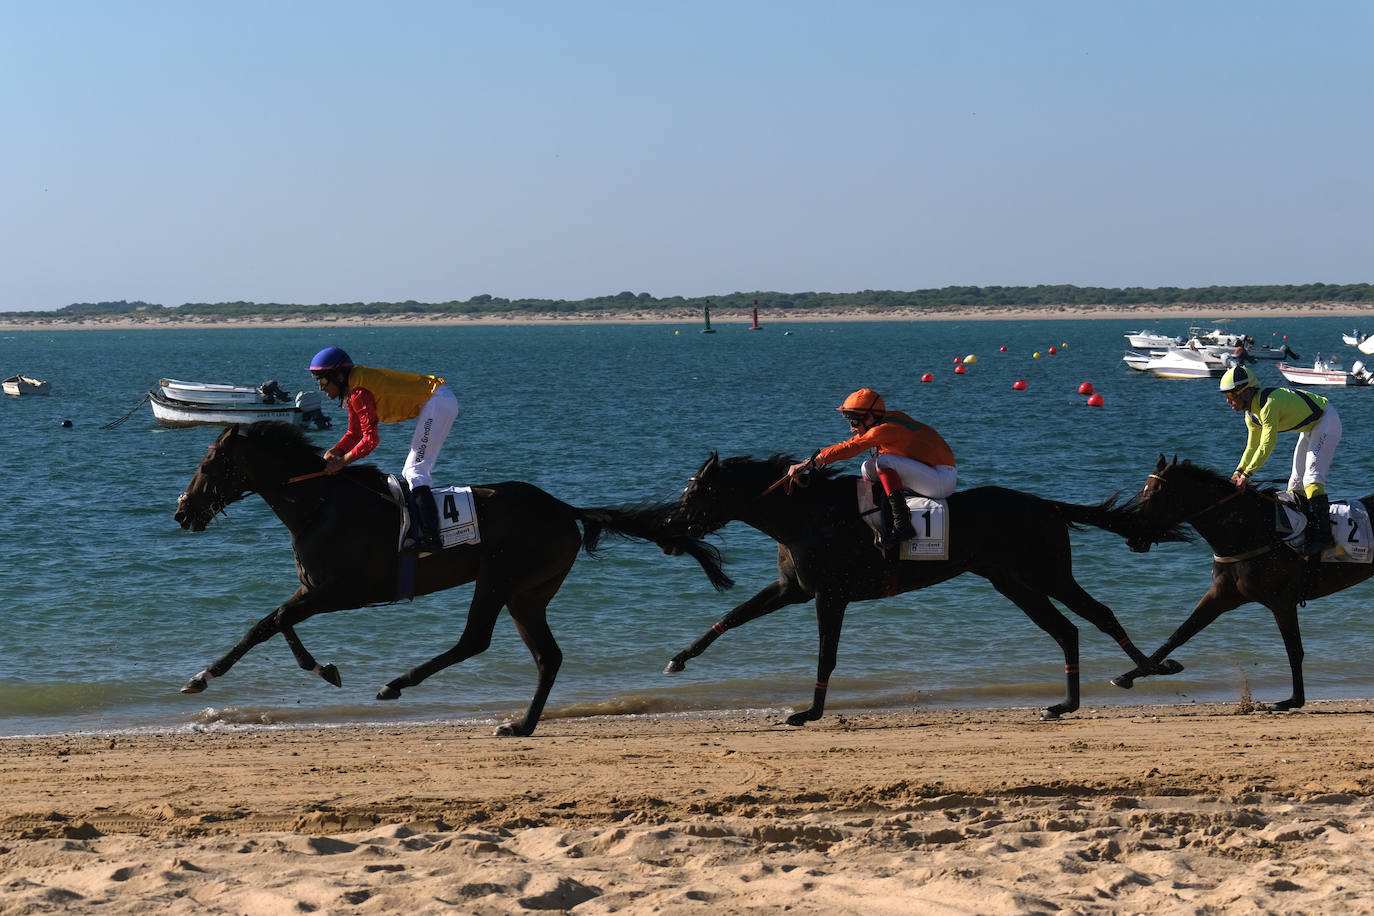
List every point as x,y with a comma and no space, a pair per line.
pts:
930,518
1349,525
457,514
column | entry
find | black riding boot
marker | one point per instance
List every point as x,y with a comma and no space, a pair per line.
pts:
1318,526
901,518
427,514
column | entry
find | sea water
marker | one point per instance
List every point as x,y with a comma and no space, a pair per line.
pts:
107,606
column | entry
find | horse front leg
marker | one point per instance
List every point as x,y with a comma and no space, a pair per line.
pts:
777,595
1218,600
1287,618
300,606
829,620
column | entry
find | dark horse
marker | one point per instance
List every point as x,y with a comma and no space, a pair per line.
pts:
1250,561
344,530
1018,542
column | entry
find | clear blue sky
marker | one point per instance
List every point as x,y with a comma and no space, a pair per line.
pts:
306,152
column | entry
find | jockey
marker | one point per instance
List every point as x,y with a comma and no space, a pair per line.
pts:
387,396
907,455
1270,411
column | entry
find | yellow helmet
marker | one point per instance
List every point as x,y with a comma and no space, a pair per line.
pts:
1238,378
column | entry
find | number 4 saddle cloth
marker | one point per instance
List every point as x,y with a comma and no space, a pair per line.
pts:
930,518
457,514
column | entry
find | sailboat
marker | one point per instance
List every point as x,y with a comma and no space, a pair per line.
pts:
708,329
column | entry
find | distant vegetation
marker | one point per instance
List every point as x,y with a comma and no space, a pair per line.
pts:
810,304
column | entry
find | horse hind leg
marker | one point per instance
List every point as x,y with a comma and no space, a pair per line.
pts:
1047,617
1076,599
530,613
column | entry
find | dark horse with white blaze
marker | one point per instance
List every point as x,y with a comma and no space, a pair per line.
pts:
1250,561
1018,542
344,530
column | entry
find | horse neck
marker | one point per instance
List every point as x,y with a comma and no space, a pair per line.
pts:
1239,524
790,517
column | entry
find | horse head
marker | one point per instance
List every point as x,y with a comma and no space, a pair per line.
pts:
1173,494
240,462
722,491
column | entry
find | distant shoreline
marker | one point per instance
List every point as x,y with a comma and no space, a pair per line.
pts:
1195,314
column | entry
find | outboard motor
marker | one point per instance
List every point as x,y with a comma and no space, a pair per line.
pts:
1359,372
310,404
273,393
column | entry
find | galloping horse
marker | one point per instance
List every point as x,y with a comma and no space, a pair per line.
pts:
344,531
1018,542
1250,562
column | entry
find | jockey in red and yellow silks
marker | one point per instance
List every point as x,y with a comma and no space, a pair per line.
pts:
375,396
908,455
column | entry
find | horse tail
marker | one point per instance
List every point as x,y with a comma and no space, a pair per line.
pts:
1120,518
651,523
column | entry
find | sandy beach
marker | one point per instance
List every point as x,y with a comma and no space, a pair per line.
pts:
1143,315
1159,809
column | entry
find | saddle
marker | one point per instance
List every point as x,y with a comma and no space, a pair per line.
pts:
457,525
930,518
1349,525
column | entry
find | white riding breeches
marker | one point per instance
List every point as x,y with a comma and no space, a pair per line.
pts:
431,429
1312,455
937,481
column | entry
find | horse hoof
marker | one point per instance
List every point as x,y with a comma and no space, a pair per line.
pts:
1169,666
388,693
675,667
1124,681
513,730
799,718
194,685
1050,714
331,674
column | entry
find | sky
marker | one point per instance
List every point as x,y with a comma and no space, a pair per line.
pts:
320,152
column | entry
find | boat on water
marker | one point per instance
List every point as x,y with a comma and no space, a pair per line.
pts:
1180,362
1327,372
1152,340
20,385
1362,342
177,403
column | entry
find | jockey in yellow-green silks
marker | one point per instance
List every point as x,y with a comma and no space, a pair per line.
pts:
1270,411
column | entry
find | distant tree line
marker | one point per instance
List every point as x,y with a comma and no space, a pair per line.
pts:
817,304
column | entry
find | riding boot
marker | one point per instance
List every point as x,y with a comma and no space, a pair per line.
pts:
427,514
901,518
1318,526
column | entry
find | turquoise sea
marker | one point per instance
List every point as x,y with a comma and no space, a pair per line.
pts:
107,606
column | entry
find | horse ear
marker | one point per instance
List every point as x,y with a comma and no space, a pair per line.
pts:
1159,465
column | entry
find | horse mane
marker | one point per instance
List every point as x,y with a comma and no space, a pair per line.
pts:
289,437
777,462
1205,475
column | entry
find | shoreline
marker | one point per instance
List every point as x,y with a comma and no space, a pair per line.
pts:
1194,314
1187,809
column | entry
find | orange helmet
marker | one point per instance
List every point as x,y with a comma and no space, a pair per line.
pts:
864,401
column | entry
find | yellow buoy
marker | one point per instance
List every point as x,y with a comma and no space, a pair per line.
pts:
970,359
1035,355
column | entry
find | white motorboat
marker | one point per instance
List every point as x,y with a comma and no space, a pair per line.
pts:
1324,372
177,404
20,385
1362,342
1216,337
1152,340
1184,362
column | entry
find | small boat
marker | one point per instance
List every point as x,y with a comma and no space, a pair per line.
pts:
178,404
1184,362
1327,372
1355,338
20,385
1152,340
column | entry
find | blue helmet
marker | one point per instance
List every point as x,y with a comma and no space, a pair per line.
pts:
330,358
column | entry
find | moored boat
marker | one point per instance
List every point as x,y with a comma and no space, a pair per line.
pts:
1152,340
1185,362
1330,373
178,404
20,385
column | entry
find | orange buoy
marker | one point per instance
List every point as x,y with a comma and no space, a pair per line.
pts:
1095,401
960,370
1085,388
928,377
1018,385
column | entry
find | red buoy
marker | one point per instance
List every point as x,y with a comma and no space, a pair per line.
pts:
1001,349
960,369
928,377
1018,385
1053,350
1085,388
958,360
1095,401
